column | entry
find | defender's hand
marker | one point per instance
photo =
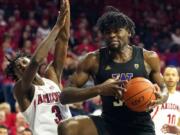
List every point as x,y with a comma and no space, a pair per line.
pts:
62,14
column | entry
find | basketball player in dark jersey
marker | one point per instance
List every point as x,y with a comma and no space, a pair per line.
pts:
119,60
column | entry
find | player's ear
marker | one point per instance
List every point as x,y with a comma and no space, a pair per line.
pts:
129,33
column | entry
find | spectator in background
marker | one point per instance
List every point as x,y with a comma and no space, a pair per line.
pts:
3,25
85,47
27,47
72,40
176,36
10,117
3,130
20,124
2,118
43,29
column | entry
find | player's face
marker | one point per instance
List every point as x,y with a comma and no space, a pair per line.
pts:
116,39
171,77
21,64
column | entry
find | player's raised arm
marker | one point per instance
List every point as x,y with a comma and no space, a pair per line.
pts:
42,50
60,54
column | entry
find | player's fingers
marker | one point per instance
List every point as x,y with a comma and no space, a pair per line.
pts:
118,94
119,88
157,94
151,105
149,108
123,83
157,102
122,89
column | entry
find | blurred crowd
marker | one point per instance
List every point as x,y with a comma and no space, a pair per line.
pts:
24,23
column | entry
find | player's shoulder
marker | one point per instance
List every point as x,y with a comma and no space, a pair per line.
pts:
89,58
89,62
149,54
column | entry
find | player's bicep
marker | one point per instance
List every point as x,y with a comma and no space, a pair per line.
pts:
79,78
86,68
60,55
154,62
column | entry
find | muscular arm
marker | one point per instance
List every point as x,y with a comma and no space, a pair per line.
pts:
84,70
153,61
60,54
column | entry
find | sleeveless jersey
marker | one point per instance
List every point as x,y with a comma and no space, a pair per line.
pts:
167,113
113,110
45,111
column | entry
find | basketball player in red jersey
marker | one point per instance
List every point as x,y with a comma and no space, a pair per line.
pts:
119,59
167,116
38,97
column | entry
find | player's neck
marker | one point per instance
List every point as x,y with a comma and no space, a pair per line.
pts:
123,55
172,90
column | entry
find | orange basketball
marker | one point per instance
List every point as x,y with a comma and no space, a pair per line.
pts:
140,92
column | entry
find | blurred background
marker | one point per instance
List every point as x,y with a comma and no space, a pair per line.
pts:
24,23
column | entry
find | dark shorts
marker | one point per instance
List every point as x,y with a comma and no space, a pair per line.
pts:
134,128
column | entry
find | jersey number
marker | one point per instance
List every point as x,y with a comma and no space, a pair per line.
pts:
55,109
171,119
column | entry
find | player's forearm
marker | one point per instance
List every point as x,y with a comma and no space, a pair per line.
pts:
67,23
73,94
44,47
60,55
64,34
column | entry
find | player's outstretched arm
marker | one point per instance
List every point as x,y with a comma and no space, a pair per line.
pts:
40,53
55,69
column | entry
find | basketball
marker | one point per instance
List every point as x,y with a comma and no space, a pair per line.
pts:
140,92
